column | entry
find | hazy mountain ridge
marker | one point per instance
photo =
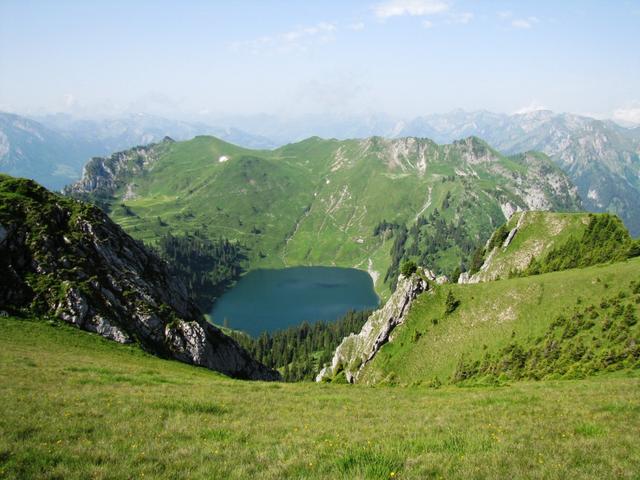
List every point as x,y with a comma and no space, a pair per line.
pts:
601,157
29,149
52,149
121,132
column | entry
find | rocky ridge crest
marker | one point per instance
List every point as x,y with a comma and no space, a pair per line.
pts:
356,350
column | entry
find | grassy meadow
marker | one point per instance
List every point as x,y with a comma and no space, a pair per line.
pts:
77,406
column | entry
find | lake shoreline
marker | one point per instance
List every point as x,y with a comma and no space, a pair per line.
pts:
275,299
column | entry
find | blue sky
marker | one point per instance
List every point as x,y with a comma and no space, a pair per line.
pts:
402,57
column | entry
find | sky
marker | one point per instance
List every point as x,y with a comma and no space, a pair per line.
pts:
400,57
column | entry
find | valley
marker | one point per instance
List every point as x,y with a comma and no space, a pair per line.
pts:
327,202
364,240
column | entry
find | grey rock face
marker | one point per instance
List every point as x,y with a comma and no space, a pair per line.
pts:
68,260
102,175
357,350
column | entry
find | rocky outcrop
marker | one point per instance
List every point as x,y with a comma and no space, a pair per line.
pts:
356,350
103,176
68,260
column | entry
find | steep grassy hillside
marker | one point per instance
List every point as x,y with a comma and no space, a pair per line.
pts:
539,242
319,201
76,406
570,323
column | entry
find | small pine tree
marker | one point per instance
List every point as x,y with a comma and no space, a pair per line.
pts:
477,261
450,303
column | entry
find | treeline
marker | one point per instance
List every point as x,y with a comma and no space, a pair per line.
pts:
425,240
397,255
605,240
300,352
206,266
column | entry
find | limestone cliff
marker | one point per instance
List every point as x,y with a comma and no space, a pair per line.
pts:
357,349
65,259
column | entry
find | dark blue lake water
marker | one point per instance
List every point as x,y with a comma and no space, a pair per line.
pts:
268,300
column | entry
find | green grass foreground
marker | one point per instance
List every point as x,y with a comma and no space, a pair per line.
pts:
77,406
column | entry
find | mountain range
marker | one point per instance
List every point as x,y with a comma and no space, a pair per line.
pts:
354,203
601,157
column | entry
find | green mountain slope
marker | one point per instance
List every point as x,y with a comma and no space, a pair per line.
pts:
557,295
76,406
539,242
526,236
523,312
318,201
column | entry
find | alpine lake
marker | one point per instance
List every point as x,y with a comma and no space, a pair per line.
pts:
267,300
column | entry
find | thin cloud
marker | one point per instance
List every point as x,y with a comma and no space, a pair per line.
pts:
462,18
534,106
524,23
628,114
299,39
414,8
356,27
69,100
427,23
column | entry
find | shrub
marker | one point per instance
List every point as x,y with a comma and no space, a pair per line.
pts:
630,316
416,336
408,268
435,382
